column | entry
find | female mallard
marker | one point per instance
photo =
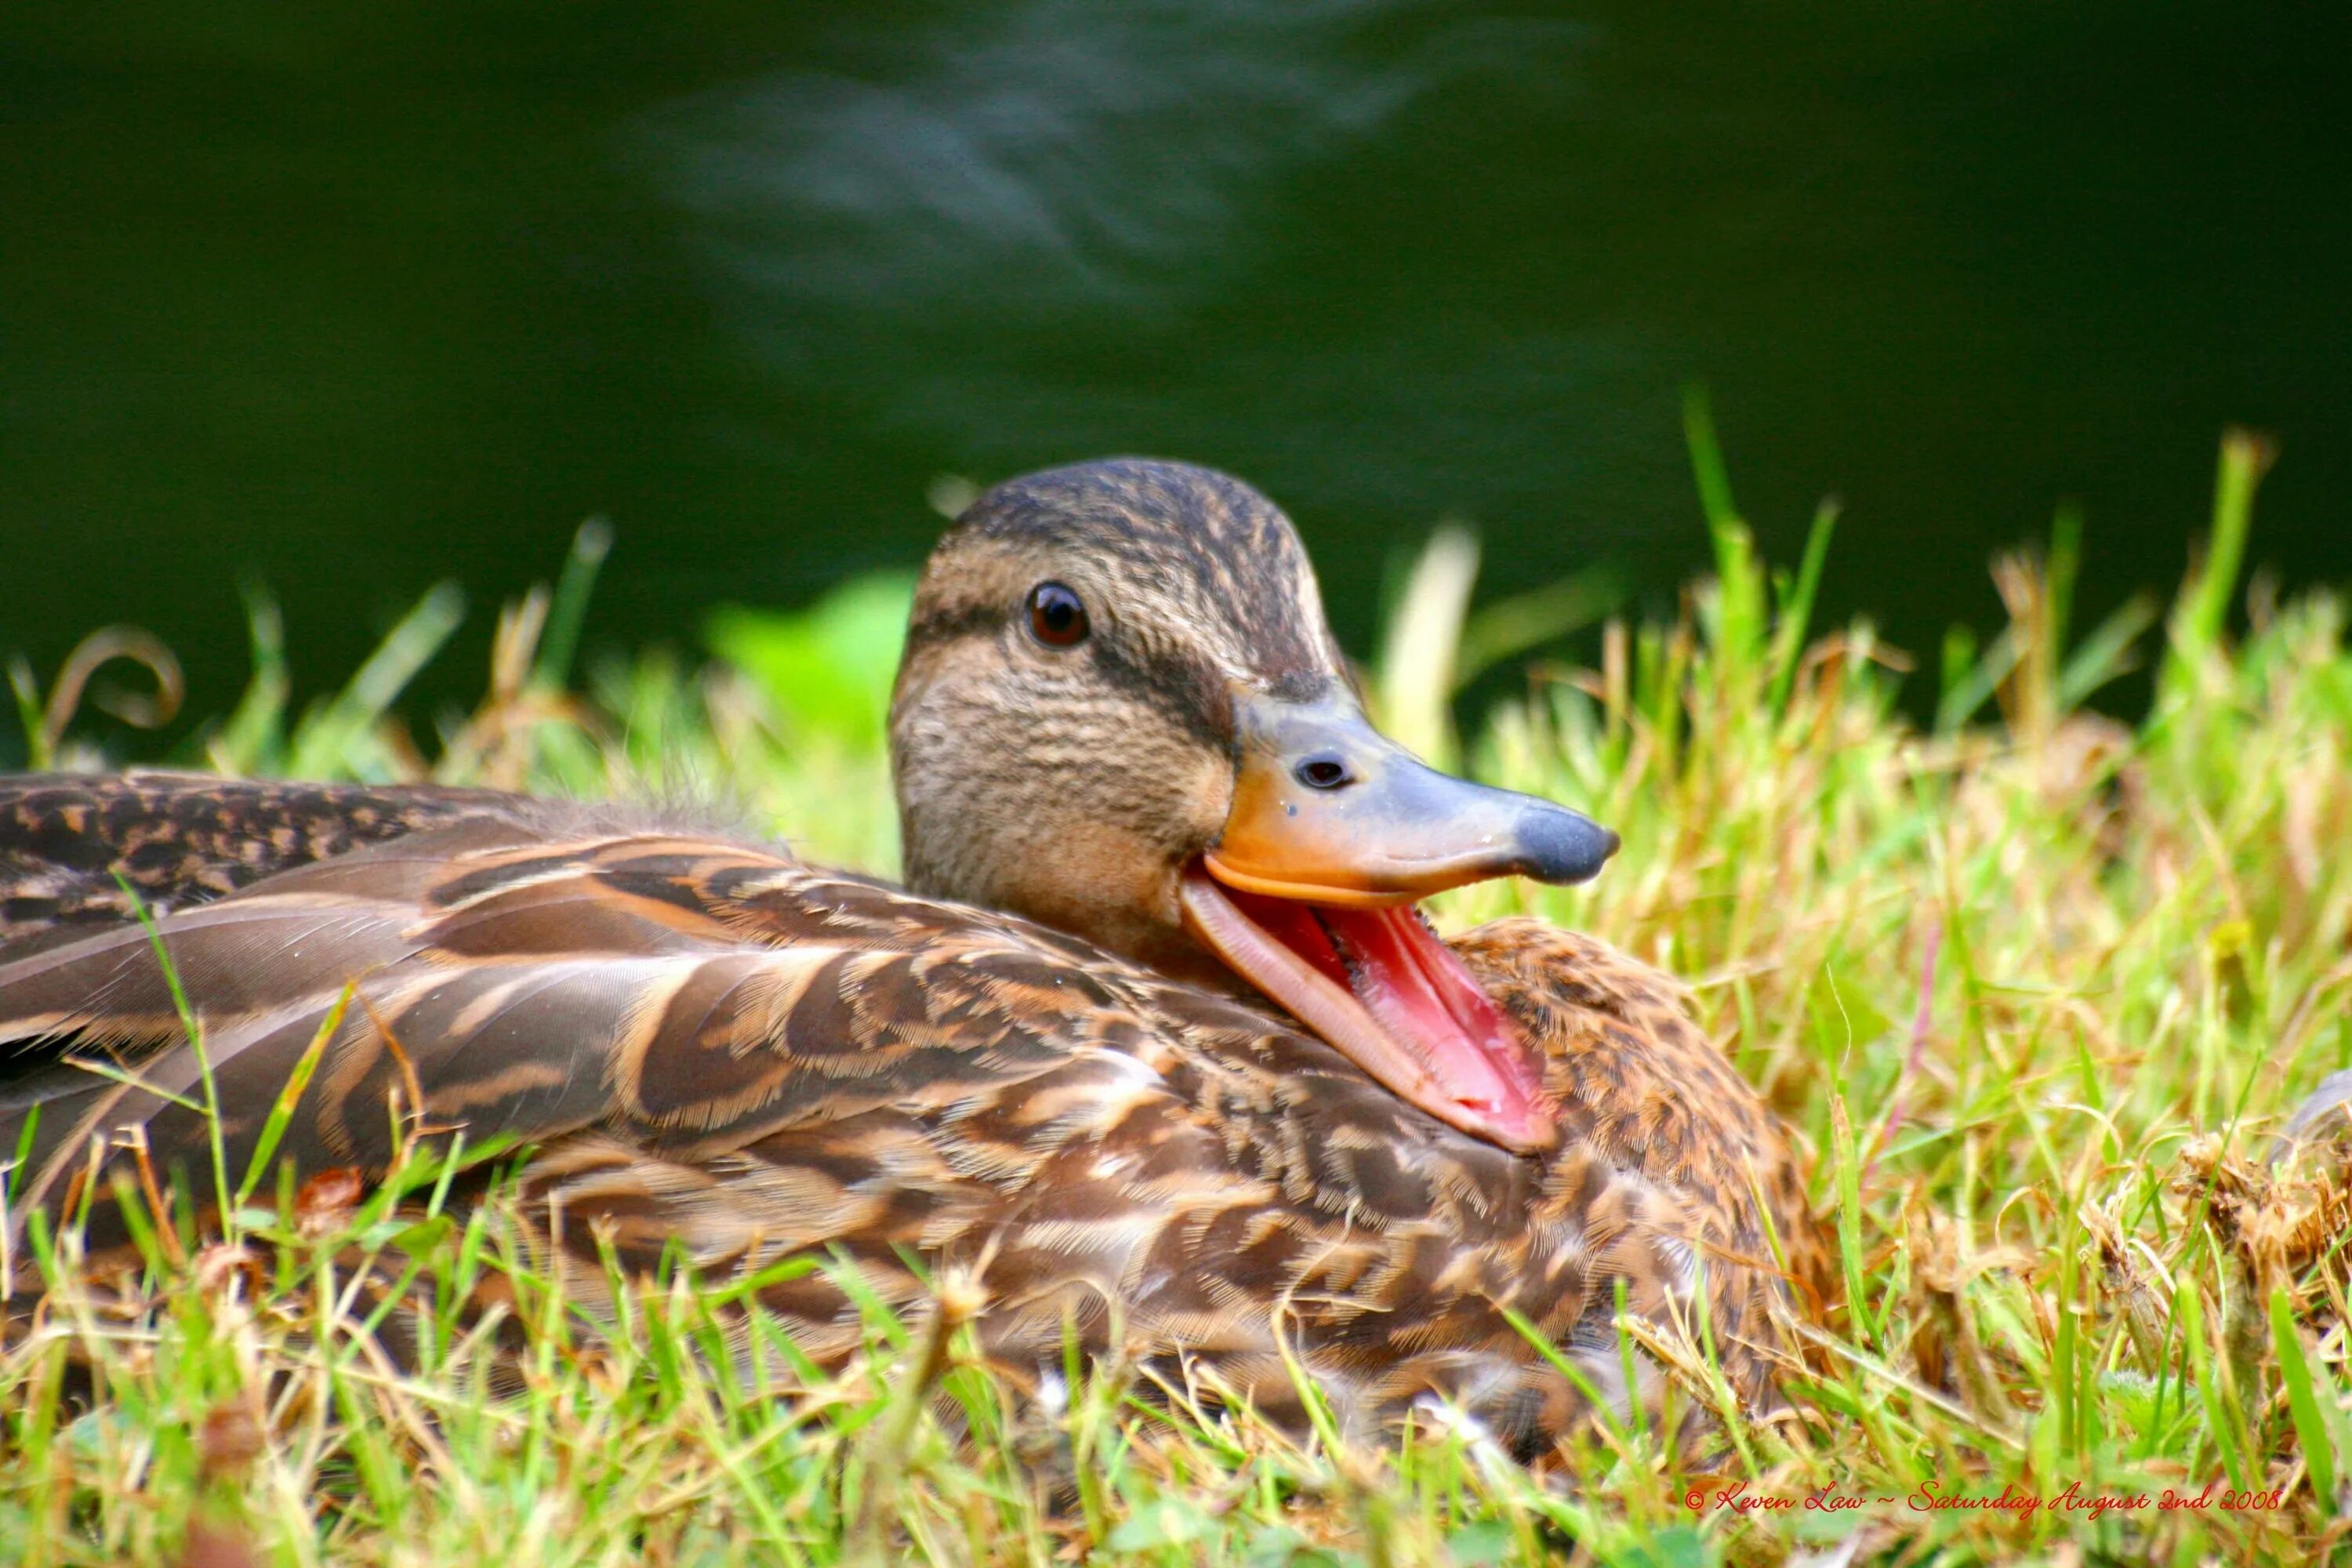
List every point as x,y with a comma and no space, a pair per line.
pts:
1154,1030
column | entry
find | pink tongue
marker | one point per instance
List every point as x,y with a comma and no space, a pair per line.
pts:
1417,991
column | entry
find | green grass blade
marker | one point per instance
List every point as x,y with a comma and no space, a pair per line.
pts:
27,689
1795,613
192,1028
326,741
2060,572
560,645
252,739
1509,628
2311,1431
2246,458
281,1110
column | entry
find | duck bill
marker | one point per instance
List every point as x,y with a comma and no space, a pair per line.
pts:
1335,831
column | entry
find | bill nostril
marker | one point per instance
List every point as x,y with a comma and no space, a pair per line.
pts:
1325,770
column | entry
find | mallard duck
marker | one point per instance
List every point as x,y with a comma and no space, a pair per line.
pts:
1154,1035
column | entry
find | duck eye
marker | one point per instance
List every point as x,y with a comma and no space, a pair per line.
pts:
1057,617
1325,770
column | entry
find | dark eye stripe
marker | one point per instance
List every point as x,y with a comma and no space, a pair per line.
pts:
1189,694
946,624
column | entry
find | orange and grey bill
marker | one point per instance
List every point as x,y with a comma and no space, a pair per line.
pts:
1308,895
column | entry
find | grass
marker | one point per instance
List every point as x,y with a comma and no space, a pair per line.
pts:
2031,983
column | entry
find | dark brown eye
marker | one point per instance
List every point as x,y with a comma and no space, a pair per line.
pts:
1057,617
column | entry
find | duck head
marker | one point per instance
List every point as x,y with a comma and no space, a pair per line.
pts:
1120,713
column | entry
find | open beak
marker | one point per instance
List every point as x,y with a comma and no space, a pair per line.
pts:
1308,894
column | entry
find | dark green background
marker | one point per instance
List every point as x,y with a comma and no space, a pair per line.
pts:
358,296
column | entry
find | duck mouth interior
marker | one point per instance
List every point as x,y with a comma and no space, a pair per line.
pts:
1379,985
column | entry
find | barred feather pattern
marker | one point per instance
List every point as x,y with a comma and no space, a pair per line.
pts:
713,1047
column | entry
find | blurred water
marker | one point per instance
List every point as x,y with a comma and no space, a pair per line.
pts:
357,298
1051,165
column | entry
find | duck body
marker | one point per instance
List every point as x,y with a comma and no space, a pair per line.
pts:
714,1048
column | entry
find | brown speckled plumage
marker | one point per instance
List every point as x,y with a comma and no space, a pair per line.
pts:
67,844
714,1046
